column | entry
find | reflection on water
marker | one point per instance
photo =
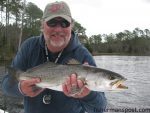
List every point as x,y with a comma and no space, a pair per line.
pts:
137,70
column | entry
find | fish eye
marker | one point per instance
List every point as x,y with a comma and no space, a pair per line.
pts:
111,77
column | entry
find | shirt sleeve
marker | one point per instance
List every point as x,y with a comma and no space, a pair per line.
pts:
95,102
9,84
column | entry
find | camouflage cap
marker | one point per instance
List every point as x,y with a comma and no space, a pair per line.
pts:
57,9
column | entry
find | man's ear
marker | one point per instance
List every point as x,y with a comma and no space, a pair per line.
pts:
42,25
72,23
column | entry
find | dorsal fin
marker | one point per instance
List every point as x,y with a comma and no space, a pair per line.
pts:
73,61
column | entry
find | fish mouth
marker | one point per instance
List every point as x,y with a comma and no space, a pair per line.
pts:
119,84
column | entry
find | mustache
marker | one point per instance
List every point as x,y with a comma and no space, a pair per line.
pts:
58,34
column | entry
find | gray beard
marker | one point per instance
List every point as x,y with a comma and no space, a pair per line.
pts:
56,44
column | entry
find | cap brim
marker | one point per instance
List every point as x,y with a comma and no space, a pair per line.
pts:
63,16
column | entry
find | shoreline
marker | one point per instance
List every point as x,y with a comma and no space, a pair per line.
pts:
118,54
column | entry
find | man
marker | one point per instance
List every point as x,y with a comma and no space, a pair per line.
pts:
58,44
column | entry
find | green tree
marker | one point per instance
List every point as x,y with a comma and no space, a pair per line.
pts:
16,8
96,39
109,38
147,33
78,28
32,20
32,14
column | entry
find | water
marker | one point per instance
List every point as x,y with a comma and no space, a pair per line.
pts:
1,111
137,70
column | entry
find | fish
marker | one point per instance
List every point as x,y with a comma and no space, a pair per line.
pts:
53,75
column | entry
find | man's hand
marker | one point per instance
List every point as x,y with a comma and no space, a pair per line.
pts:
29,88
73,82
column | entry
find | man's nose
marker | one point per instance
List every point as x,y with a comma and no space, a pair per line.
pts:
58,27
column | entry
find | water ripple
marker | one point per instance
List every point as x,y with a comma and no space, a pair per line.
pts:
137,70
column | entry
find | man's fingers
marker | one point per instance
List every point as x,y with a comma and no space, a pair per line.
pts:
73,80
33,91
32,81
80,84
68,84
65,90
74,87
34,88
29,88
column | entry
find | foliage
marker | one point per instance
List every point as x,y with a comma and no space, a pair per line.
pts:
78,28
11,21
136,42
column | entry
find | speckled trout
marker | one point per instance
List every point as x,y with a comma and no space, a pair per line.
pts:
53,76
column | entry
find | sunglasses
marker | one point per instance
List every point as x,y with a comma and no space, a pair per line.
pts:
63,23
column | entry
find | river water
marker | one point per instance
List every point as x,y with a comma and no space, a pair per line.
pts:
137,71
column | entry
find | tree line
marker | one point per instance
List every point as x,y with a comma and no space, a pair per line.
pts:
136,42
20,20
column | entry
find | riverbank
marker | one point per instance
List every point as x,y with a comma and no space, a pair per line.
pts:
118,54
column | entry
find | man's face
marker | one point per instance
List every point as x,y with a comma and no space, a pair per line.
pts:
57,33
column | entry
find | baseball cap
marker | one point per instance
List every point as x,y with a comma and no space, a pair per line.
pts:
57,9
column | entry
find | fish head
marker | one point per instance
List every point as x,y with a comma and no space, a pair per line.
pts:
108,81
114,81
